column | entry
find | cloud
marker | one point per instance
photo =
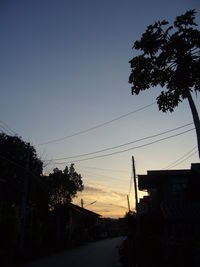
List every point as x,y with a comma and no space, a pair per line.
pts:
92,189
119,194
109,203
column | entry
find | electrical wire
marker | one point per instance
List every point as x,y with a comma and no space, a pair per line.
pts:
12,162
121,145
103,169
4,130
91,203
195,152
182,157
125,150
8,128
95,127
22,167
100,175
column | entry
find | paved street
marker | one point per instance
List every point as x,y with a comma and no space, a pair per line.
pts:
98,254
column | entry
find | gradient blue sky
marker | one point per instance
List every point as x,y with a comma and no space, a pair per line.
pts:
64,68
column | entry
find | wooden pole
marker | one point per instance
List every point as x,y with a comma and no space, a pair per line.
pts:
82,203
135,185
128,204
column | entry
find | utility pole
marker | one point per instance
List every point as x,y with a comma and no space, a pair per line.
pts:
135,185
82,203
137,240
23,202
128,204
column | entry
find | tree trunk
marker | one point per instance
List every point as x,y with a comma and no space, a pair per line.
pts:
195,119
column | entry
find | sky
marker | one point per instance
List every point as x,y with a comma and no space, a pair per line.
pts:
64,72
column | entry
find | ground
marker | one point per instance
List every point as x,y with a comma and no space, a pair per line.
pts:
103,253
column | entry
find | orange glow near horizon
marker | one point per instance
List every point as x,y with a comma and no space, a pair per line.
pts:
109,203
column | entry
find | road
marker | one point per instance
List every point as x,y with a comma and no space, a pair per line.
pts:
103,253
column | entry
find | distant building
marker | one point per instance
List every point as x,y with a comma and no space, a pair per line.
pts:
74,223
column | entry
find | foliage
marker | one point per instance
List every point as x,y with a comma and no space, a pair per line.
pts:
57,188
63,185
170,58
14,153
19,160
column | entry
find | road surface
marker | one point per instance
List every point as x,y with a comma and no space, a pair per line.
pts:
103,253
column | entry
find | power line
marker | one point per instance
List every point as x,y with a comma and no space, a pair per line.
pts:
185,159
121,145
100,175
95,127
12,162
8,128
186,154
103,169
80,167
125,150
91,203
22,167
4,130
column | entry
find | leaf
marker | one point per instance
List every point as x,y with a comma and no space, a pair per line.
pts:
171,61
164,22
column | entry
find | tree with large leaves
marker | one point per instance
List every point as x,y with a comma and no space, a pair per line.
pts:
170,57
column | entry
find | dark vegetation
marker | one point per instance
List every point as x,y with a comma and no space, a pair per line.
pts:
29,201
165,231
37,217
36,211
169,56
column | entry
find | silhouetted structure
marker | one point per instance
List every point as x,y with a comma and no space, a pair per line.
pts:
73,223
169,217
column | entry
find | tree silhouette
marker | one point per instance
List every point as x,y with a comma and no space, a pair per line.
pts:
13,161
170,58
63,185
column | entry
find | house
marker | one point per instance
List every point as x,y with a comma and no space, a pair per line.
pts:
74,223
170,214
82,223
170,192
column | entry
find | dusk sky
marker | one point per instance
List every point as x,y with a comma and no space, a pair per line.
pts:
64,70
